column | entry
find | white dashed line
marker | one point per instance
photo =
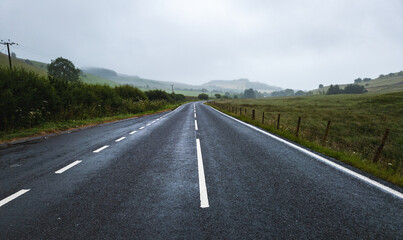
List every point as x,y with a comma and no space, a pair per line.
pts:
202,180
196,128
133,132
14,196
68,167
141,128
100,149
120,139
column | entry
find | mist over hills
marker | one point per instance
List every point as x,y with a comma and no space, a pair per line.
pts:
238,85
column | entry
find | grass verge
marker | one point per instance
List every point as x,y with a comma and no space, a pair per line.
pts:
57,127
381,169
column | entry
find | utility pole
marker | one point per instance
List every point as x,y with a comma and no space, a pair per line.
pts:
8,43
172,89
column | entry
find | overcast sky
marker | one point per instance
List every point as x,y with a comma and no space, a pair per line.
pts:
290,44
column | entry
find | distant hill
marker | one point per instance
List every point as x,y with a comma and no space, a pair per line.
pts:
392,82
240,85
235,86
95,75
41,69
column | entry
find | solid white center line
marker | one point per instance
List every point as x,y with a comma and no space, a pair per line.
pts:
202,180
141,128
100,149
120,139
14,196
196,128
133,132
68,167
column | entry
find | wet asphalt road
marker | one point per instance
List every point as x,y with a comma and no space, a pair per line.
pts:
145,185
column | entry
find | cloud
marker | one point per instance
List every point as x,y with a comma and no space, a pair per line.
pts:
292,44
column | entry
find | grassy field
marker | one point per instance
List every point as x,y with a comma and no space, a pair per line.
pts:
358,123
385,84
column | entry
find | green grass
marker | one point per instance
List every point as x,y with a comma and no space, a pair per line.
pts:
358,123
387,84
55,127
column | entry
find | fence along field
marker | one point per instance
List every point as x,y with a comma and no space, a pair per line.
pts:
350,128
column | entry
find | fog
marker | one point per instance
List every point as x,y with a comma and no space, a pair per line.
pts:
290,44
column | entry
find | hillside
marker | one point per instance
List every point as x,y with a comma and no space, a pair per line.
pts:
240,84
40,68
392,82
234,86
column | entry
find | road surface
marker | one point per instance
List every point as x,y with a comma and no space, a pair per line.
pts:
192,173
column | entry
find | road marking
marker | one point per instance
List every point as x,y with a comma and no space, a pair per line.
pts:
14,196
154,121
324,160
148,124
202,180
100,149
120,139
68,167
196,128
141,128
195,115
133,132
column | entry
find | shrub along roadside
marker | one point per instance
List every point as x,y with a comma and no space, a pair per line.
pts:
376,169
57,127
28,100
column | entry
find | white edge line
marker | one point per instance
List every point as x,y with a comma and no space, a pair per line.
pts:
68,167
13,196
324,160
196,128
100,149
120,139
202,180
133,132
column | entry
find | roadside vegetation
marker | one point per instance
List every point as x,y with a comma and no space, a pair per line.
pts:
358,123
30,101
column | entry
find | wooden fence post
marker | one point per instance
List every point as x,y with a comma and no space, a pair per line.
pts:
380,148
253,114
278,121
298,124
240,111
245,110
326,133
263,118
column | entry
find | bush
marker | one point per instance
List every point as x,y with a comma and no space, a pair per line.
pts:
203,96
27,99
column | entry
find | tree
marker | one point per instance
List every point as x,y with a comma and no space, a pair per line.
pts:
13,55
366,79
321,86
249,93
63,69
334,90
203,96
217,95
354,88
358,80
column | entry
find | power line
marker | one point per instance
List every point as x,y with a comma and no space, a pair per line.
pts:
8,43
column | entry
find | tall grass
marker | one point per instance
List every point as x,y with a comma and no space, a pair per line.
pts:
358,123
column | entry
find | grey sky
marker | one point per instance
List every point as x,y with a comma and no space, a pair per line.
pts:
290,44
